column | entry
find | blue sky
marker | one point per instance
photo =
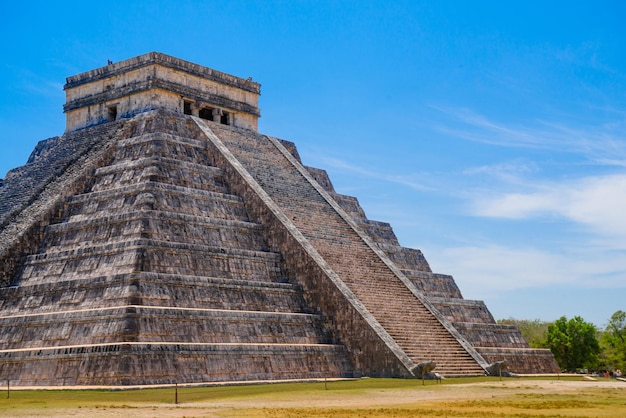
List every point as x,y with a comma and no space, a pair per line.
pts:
490,134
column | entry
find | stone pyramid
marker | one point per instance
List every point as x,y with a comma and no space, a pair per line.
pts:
162,239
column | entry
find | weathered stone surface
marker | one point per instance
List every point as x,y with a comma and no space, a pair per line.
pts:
155,80
499,368
138,363
376,290
425,369
156,249
163,247
471,318
34,195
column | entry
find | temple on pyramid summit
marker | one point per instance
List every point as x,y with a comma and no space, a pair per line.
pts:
162,239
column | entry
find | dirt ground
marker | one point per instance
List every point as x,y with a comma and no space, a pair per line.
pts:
280,404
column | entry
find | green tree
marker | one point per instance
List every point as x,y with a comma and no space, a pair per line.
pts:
573,343
614,341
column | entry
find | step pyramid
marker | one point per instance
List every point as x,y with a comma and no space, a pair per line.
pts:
163,239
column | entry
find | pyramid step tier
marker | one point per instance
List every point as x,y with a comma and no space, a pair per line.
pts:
154,195
176,362
154,289
152,255
158,225
162,170
159,324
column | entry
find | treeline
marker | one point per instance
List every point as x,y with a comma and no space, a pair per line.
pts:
577,344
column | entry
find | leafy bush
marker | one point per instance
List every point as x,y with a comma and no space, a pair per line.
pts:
573,343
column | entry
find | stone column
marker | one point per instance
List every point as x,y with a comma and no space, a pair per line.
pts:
217,115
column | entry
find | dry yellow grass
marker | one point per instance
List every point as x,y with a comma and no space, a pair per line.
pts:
364,398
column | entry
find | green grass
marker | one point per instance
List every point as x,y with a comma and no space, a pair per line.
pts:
295,400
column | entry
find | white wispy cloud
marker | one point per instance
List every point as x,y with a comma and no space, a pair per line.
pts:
597,202
603,144
35,84
509,172
520,190
497,268
414,181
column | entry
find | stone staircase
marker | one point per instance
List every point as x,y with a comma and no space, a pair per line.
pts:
411,325
471,318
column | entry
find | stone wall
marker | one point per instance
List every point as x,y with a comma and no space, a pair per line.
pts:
153,81
34,195
138,363
152,272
